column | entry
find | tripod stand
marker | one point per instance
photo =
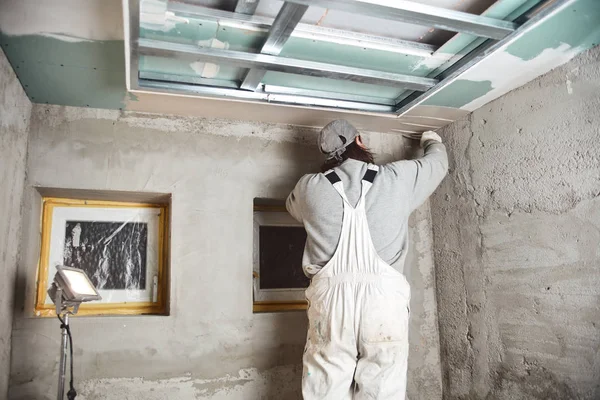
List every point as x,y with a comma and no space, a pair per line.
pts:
63,310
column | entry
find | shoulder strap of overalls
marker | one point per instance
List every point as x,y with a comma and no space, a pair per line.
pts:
367,181
338,185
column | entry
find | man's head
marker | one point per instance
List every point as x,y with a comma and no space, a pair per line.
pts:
339,140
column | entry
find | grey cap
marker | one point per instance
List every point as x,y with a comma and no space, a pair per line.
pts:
335,137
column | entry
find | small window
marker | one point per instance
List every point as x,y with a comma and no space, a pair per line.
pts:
121,246
278,279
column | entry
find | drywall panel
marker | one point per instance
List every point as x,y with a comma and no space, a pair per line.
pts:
549,45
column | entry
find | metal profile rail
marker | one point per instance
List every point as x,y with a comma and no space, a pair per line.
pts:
544,11
356,98
285,22
305,31
421,14
246,6
206,91
149,47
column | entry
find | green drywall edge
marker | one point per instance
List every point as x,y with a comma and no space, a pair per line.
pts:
459,93
577,25
86,73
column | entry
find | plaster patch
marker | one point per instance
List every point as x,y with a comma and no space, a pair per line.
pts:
154,15
430,63
573,73
507,72
209,70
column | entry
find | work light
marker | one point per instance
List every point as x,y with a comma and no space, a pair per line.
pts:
70,288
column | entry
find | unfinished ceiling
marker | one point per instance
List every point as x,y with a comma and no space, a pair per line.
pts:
304,62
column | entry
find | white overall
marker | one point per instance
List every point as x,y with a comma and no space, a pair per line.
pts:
357,345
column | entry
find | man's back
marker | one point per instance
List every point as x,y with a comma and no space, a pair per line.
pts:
398,189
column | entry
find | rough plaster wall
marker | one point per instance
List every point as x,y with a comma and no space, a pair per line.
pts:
15,112
211,346
517,227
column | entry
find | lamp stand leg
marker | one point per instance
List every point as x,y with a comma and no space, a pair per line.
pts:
62,368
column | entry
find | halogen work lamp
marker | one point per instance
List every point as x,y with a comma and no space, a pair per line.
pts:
70,288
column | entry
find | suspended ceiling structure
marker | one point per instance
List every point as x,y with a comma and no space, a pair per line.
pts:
394,66
192,47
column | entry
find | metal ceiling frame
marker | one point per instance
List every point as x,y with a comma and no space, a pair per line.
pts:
287,24
158,48
421,14
288,17
305,31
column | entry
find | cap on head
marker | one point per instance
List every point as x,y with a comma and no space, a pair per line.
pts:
335,137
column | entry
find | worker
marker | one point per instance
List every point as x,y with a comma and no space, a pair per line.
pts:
356,218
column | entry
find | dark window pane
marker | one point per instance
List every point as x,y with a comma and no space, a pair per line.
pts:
281,249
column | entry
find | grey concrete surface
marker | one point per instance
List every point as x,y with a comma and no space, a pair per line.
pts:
15,112
517,232
211,346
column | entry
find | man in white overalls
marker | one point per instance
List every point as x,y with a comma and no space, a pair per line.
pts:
356,217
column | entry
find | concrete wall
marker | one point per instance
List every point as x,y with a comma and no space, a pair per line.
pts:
15,112
211,346
516,228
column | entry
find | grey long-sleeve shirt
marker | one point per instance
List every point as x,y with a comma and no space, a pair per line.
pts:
399,188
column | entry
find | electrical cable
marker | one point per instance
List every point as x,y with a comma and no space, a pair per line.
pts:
71,394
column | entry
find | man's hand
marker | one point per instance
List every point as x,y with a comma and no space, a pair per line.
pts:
424,137
430,135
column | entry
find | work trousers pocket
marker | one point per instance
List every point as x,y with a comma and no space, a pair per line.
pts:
384,318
